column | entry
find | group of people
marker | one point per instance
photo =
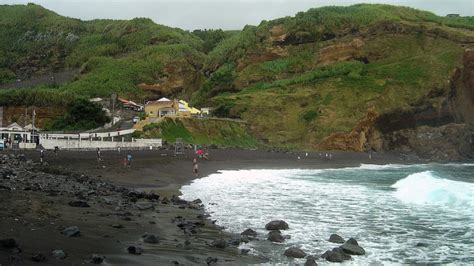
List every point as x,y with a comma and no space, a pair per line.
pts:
127,161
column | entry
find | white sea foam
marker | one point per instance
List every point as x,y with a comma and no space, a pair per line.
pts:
428,188
354,202
384,166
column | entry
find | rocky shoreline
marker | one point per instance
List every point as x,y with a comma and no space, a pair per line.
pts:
76,210
60,210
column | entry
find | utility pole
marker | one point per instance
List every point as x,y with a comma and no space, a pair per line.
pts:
114,95
33,125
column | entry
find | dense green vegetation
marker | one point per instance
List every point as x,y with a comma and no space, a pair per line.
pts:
212,37
81,115
202,131
295,80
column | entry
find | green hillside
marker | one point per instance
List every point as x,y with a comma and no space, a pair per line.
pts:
295,80
299,79
110,55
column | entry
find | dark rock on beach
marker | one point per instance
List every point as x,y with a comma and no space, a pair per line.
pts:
97,259
277,225
335,255
8,243
295,252
310,261
334,238
38,257
135,250
71,231
58,254
219,243
249,233
79,203
150,239
275,236
352,247
211,261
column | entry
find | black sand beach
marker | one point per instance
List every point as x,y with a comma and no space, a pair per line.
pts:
34,214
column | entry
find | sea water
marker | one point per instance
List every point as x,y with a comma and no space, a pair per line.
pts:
398,213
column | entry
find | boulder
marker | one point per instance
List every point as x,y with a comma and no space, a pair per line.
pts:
334,238
58,254
275,236
97,259
310,261
352,241
144,206
211,261
335,255
150,239
117,226
135,250
79,203
38,257
219,243
249,232
352,247
294,252
71,231
244,251
8,243
277,225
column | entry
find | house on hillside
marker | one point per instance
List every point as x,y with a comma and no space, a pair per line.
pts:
188,110
131,105
162,107
169,108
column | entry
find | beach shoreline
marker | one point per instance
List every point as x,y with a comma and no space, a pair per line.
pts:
157,171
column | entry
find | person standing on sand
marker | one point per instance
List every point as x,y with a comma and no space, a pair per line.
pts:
129,159
195,167
99,156
41,156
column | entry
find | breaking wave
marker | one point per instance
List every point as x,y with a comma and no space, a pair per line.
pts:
428,188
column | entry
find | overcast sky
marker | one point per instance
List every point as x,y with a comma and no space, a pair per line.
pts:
225,14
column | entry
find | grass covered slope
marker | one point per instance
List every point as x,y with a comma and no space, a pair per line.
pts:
207,131
295,80
110,55
299,79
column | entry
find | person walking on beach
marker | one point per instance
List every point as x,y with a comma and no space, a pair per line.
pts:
195,167
129,159
99,156
41,156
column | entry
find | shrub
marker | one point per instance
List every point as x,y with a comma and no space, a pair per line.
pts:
309,116
81,115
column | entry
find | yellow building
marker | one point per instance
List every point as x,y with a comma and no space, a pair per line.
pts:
183,105
169,108
160,108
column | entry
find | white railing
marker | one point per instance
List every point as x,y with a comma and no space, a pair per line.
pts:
87,135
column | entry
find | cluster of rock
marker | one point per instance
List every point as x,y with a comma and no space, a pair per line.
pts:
343,252
18,174
337,254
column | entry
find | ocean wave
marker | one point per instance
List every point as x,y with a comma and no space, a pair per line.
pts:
384,166
428,188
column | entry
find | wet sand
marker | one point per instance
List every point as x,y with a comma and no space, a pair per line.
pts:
35,219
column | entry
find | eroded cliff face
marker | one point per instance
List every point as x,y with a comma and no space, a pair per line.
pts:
177,78
441,126
438,126
359,139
